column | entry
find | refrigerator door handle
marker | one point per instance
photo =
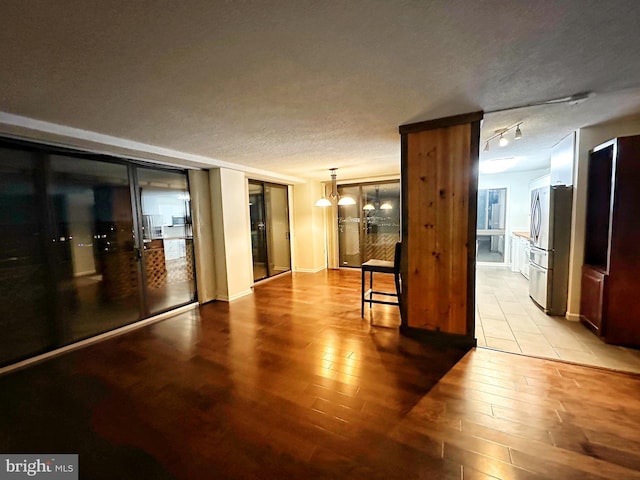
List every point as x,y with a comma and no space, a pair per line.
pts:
536,217
535,266
538,249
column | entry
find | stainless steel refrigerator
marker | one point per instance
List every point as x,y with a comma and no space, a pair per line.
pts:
550,238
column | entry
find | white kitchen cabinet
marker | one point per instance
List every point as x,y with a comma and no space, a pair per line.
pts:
520,253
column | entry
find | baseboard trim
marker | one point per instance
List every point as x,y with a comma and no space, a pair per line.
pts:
440,339
310,270
574,317
244,293
98,338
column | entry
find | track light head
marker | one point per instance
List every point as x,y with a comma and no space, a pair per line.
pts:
518,134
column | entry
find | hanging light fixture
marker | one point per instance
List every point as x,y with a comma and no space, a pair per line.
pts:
333,196
386,206
369,206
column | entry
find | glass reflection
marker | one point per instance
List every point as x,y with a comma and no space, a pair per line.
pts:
269,215
24,281
371,228
168,239
277,209
93,247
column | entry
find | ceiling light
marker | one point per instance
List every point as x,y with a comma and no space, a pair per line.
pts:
346,201
518,134
503,141
368,206
386,206
333,196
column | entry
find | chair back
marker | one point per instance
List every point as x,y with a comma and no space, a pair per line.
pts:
396,257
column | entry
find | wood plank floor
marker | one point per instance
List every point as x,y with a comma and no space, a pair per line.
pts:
291,383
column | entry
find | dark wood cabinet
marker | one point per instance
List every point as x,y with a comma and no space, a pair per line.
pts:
592,299
610,296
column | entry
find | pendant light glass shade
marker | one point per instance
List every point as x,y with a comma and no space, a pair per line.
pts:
346,201
386,206
323,202
503,141
368,206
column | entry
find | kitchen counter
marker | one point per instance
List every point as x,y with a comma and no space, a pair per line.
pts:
524,235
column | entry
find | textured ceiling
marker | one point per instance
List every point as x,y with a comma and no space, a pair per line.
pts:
296,87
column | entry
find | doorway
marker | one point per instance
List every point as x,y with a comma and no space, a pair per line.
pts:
270,234
492,214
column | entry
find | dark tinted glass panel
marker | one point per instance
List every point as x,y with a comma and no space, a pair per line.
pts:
95,262
596,250
168,238
269,215
24,282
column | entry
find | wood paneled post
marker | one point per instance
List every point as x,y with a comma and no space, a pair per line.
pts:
439,197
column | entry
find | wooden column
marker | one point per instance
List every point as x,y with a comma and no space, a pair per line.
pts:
439,196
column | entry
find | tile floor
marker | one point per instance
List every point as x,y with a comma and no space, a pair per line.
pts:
508,320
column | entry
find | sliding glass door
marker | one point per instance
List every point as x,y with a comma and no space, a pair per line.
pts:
269,214
25,280
89,244
93,246
370,228
167,238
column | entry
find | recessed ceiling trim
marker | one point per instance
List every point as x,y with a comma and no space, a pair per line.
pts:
27,126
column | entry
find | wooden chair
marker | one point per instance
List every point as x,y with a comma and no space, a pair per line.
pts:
381,266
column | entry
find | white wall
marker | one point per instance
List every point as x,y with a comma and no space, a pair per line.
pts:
203,235
517,185
587,139
231,233
308,229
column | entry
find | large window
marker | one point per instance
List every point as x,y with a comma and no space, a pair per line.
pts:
371,227
89,244
492,206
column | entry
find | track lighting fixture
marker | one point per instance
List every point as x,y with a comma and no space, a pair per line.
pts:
504,141
333,196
